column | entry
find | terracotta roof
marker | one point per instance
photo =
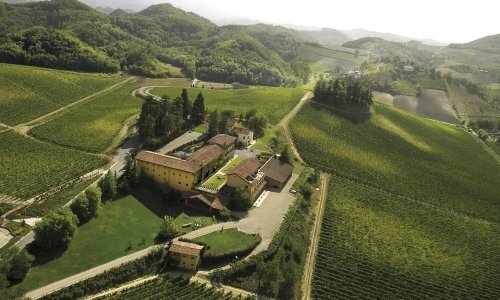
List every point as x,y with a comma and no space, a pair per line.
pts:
222,140
167,161
241,130
205,155
277,170
185,248
192,164
211,202
246,168
231,122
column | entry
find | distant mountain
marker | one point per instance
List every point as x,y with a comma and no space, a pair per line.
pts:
361,33
489,43
327,36
378,47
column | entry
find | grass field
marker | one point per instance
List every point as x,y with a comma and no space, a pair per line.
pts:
404,154
273,103
376,246
428,83
29,92
31,167
236,161
93,125
132,220
230,240
470,106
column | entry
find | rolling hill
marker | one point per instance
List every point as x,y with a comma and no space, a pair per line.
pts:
68,34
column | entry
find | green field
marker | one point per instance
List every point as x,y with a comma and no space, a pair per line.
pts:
428,83
273,103
377,246
31,167
30,92
170,289
470,106
93,125
236,161
230,240
132,220
404,154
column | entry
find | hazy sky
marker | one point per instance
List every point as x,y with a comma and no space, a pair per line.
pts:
447,21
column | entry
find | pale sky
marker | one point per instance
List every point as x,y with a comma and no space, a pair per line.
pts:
447,21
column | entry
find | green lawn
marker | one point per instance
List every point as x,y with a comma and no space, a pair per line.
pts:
273,103
236,161
203,127
132,220
229,240
215,181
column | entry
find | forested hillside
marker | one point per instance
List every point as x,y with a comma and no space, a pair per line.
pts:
67,34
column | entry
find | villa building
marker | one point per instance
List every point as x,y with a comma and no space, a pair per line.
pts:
184,174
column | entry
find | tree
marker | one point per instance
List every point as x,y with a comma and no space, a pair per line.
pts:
56,229
186,106
168,229
285,156
80,207
20,265
240,199
93,195
198,111
268,272
108,186
213,124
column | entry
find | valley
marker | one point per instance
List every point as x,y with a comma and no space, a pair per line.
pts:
156,154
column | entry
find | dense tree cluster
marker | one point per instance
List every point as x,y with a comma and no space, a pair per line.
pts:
56,229
51,48
70,35
160,121
343,94
86,206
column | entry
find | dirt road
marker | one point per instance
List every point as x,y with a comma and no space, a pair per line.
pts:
315,234
284,122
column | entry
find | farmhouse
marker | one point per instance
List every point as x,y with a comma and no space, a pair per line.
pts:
245,136
185,255
184,174
247,175
277,172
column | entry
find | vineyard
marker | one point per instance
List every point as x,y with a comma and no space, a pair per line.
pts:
92,126
171,288
374,245
30,92
403,154
273,103
31,167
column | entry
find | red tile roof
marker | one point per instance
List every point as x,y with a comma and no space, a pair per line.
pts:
222,140
205,155
185,248
246,168
192,164
167,161
211,202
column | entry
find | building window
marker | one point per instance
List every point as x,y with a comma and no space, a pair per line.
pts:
186,176
180,182
186,184
173,173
